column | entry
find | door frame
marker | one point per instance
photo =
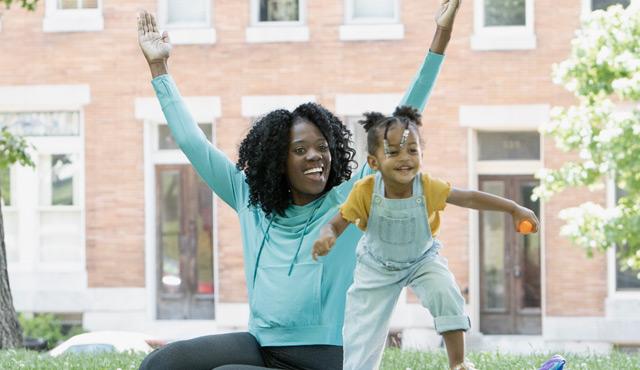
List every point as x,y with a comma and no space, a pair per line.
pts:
478,168
152,158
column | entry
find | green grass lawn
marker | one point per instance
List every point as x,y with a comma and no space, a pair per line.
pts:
393,360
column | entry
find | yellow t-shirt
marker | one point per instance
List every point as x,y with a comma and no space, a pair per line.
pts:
358,205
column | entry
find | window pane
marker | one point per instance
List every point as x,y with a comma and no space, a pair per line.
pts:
77,4
5,186
504,13
204,231
494,287
508,146
89,4
604,4
170,208
62,172
373,9
165,139
531,250
626,279
186,11
42,123
279,11
67,4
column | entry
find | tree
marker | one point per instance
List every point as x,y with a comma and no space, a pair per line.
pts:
27,4
603,71
13,149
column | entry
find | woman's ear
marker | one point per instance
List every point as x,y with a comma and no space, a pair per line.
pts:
373,162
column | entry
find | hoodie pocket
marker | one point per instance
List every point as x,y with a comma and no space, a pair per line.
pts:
282,300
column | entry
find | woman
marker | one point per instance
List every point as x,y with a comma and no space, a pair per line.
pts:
293,172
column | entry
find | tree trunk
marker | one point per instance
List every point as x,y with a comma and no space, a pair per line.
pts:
10,331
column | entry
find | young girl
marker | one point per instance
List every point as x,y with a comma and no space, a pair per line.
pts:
399,210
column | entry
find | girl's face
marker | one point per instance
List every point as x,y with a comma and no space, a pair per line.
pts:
402,164
308,162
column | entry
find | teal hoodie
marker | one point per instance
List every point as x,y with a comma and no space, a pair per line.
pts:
293,300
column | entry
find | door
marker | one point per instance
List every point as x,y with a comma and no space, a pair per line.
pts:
509,263
184,218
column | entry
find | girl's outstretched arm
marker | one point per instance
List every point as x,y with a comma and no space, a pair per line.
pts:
418,92
488,202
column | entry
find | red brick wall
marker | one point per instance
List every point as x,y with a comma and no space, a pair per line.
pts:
110,62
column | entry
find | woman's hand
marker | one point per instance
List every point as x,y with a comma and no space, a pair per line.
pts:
155,47
524,214
447,13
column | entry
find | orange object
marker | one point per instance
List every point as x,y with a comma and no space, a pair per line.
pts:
525,227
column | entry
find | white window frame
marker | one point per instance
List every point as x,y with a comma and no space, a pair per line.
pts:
371,28
48,98
204,109
503,37
188,33
72,20
266,32
500,118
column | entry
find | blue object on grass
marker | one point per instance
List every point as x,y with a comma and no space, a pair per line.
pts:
554,363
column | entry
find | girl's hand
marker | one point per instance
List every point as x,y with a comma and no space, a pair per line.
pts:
155,47
524,214
323,246
447,13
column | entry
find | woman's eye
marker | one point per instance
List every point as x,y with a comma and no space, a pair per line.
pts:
299,150
323,147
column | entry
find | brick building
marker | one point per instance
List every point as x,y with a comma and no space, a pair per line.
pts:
114,227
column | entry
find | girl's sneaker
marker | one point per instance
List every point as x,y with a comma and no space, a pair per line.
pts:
556,362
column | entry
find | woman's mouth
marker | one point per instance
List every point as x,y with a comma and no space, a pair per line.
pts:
315,174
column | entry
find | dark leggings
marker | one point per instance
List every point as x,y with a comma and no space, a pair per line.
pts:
240,351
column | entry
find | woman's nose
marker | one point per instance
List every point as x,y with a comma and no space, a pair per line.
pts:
313,155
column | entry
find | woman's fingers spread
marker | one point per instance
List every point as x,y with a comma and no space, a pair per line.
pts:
154,27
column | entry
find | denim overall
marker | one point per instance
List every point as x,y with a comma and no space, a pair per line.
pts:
397,250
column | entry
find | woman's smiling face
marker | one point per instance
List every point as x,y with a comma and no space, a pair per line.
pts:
308,162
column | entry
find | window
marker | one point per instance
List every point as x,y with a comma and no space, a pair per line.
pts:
495,145
5,186
504,13
73,16
604,4
279,11
277,21
626,279
374,11
77,4
372,20
503,25
188,21
57,210
166,141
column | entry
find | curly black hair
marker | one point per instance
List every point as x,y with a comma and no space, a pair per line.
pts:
375,123
263,154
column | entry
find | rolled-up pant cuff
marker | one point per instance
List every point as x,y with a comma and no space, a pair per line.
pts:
451,323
